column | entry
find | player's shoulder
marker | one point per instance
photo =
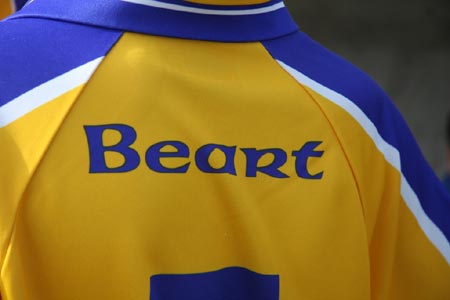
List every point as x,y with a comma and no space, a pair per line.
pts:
34,51
328,71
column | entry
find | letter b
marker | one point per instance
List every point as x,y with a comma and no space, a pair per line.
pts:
97,149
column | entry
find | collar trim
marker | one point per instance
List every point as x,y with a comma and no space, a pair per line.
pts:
173,18
205,11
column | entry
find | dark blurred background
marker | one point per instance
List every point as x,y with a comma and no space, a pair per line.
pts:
403,44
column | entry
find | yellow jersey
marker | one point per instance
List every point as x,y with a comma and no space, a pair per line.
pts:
207,150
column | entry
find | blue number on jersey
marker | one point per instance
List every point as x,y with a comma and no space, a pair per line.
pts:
231,283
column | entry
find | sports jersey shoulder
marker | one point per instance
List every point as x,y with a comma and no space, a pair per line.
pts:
50,65
362,114
44,50
347,87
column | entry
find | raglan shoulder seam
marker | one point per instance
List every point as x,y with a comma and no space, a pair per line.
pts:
390,152
333,129
43,155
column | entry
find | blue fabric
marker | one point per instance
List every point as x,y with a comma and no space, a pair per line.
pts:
446,182
308,57
222,7
230,284
20,3
126,16
33,51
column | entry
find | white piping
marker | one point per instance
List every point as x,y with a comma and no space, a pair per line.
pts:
47,92
204,11
391,154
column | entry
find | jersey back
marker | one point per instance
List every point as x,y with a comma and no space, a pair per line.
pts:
140,166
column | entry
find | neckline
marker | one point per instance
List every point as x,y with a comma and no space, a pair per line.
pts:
173,18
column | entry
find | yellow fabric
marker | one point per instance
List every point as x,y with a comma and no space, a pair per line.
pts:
229,2
100,236
103,236
5,9
24,143
404,264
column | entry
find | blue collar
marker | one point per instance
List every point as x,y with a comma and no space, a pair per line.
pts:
174,18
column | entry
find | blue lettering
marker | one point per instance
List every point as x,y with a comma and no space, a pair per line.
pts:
203,154
301,163
233,283
254,156
97,149
155,153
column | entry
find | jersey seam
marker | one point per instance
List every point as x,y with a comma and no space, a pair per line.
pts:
38,165
335,133
341,145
